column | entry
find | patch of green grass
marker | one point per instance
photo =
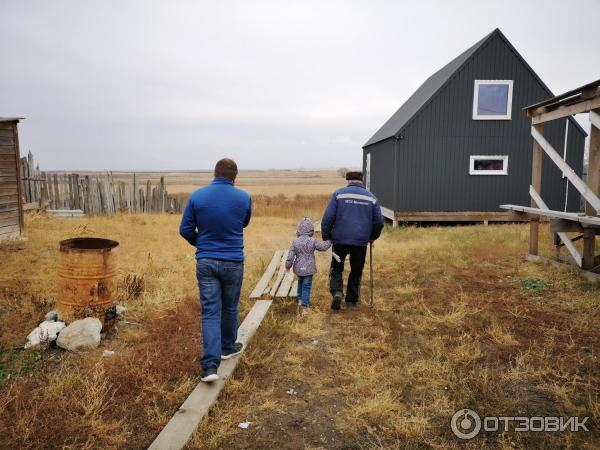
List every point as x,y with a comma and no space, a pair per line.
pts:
15,363
534,285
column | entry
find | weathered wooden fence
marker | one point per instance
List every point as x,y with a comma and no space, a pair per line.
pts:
93,194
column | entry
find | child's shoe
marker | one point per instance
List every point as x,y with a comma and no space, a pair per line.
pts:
304,311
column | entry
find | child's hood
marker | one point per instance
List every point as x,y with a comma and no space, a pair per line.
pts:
305,228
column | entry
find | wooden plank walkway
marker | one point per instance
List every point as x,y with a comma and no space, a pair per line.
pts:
280,275
264,280
180,429
276,282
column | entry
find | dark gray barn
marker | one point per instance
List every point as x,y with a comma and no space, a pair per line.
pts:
461,145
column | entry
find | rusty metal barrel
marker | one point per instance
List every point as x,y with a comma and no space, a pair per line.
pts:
87,270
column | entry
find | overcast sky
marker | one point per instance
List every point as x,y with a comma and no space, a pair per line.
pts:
151,85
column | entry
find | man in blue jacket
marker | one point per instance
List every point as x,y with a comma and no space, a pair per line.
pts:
213,221
351,220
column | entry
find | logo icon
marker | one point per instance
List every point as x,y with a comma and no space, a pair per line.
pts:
465,423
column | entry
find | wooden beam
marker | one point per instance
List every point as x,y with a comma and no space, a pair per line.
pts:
387,213
590,276
180,429
595,119
579,184
583,219
459,216
565,111
557,225
562,235
593,184
266,277
536,182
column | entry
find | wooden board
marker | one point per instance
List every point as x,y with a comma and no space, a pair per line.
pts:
294,289
591,220
286,284
264,280
9,230
564,111
456,216
180,429
7,140
280,275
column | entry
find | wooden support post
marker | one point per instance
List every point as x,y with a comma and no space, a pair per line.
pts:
589,248
536,182
593,182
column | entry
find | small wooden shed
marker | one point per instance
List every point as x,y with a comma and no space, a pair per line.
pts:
11,200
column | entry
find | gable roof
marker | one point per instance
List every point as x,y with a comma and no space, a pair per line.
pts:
435,82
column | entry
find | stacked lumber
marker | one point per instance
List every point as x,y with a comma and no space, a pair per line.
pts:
275,281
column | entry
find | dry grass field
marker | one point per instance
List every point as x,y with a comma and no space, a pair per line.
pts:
256,182
460,320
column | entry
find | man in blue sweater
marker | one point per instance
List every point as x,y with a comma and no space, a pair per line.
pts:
351,220
213,221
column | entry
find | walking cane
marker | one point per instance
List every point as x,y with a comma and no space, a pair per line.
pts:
371,270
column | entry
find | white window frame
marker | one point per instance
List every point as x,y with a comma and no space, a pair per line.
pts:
472,170
506,116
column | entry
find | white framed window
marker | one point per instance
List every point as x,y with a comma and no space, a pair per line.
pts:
488,165
492,99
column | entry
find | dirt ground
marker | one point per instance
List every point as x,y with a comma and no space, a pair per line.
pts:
460,320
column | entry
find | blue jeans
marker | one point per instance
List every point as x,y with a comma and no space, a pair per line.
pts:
220,283
304,286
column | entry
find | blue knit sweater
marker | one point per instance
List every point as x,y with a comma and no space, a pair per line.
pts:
214,219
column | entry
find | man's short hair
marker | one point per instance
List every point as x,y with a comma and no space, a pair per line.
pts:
354,175
226,168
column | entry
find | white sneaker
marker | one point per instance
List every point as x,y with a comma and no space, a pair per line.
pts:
209,375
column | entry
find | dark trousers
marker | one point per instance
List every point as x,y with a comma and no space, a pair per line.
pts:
357,255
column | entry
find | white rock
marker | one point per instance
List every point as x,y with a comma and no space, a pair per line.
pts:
80,335
108,353
51,316
244,425
120,309
46,331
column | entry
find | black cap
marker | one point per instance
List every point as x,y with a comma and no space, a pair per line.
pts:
354,175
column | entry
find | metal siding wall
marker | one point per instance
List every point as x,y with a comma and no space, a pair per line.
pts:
382,171
433,164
